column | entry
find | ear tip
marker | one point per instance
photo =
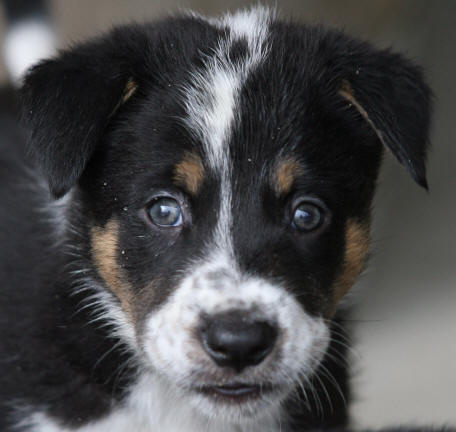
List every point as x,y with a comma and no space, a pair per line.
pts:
58,189
424,185
57,194
420,179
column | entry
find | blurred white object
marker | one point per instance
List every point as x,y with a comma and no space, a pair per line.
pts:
27,42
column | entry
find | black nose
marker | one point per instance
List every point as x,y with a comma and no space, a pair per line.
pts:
233,340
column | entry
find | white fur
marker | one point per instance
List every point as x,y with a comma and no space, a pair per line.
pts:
151,406
211,98
211,95
216,286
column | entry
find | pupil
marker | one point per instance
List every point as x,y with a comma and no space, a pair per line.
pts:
306,217
165,212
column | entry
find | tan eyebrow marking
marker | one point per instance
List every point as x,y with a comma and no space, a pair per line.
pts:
129,90
285,174
105,257
189,173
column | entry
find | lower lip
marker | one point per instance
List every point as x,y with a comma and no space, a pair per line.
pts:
236,393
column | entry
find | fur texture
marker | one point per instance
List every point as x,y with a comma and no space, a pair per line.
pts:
252,128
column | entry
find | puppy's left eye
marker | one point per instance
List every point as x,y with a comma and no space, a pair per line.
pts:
165,212
307,217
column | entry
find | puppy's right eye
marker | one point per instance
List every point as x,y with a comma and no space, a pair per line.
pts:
165,212
307,217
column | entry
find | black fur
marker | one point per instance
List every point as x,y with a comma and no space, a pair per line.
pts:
114,156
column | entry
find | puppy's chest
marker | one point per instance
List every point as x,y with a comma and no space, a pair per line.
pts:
122,420
150,407
147,409
119,421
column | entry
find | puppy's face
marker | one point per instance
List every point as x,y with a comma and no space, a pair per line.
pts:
228,260
225,175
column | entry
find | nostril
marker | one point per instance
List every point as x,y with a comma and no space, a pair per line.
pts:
232,340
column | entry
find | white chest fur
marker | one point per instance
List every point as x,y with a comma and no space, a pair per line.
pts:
150,407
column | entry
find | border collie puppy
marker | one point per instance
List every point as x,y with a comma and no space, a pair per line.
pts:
210,192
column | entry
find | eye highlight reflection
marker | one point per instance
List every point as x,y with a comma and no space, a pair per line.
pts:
165,212
307,217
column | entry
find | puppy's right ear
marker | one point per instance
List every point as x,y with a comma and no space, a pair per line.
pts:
68,101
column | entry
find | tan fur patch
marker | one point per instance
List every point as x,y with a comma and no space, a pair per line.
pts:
356,252
189,173
347,92
129,91
105,256
285,175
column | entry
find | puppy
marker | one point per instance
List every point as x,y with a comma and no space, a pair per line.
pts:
211,185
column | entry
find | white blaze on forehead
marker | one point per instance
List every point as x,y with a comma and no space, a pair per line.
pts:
213,93
253,26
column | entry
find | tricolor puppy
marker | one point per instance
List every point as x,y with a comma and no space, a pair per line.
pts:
214,180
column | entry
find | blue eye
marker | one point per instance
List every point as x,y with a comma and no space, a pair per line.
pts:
165,212
307,217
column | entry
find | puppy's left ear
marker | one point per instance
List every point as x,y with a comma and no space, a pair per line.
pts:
390,94
68,101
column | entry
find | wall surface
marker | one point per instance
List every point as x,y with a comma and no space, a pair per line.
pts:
404,317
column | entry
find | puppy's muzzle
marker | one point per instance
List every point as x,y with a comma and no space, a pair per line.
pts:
236,340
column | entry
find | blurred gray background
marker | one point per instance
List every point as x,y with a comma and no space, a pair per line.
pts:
404,323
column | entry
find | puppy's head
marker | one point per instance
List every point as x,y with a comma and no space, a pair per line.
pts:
223,174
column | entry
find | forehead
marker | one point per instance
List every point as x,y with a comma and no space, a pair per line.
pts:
212,98
244,108
249,93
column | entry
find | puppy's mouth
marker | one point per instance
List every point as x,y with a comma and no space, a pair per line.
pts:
236,392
